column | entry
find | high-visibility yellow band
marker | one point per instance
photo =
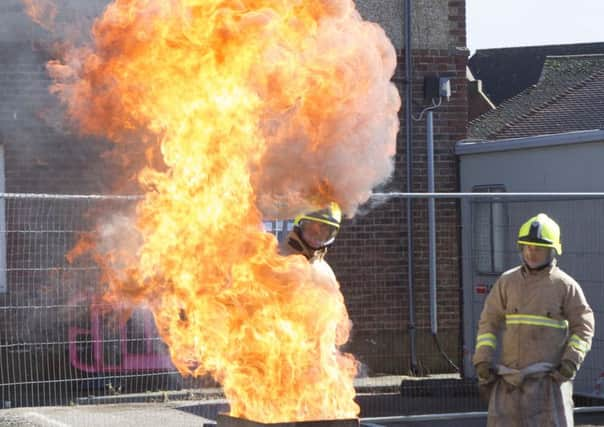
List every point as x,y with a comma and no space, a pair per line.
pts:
535,323
486,340
532,320
485,344
577,343
487,335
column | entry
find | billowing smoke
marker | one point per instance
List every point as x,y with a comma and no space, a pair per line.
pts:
327,110
338,141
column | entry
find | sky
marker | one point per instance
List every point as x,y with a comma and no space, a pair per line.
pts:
511,23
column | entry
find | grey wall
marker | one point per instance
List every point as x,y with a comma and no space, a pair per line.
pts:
32,128
429,18
576,167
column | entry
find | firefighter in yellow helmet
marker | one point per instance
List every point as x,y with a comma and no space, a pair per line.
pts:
313,233
541,319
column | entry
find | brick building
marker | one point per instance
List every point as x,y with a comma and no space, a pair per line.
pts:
370,257
40,156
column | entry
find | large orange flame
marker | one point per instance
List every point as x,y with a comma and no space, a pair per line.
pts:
260,108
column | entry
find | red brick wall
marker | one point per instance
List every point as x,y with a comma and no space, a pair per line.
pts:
370,255
39,156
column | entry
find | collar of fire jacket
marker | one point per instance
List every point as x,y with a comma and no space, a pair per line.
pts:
544,271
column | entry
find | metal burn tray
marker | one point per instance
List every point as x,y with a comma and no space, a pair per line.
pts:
224,420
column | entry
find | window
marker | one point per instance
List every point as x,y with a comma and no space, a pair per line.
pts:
489,218
278,228
3,285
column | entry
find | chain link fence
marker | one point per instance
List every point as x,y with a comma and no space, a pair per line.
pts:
60,344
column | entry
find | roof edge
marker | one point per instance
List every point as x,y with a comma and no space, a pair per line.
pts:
540,46
476,146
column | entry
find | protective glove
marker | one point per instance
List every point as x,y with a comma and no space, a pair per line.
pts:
485,372
567,369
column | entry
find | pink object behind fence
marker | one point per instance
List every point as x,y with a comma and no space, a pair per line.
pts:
147,360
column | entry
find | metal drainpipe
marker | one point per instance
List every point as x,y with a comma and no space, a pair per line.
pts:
409,175
431,222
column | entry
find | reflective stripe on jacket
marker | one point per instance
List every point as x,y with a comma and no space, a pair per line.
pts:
538,316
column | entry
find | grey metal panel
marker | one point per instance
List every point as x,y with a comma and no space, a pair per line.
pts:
569,167
560,168
471,146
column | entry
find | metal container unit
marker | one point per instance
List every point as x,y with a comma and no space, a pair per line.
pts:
545,166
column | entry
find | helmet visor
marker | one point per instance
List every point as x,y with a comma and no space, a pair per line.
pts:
317,234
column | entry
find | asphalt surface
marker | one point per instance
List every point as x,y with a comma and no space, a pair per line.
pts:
184,414
183,409
169,414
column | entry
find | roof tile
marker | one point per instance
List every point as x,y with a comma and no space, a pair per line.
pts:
560,76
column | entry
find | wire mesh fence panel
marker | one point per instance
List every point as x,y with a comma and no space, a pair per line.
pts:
582,253
59,340
61,343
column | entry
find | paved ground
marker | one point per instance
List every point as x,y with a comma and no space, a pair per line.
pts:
170,414
378,397
184,414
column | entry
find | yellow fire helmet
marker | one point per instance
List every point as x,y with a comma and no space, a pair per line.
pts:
540,230
326,226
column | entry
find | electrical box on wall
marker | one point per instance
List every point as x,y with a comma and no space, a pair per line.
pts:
435,87
444,87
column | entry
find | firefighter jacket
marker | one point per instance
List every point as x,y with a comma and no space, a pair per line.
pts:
293,244
537,316
322,275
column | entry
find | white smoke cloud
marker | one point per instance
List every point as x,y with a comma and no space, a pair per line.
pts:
349,148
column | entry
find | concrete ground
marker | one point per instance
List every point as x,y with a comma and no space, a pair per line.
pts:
184,414
378,398
169,414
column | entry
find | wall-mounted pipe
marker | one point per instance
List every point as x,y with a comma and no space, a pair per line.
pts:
409,181
432,237
431,222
